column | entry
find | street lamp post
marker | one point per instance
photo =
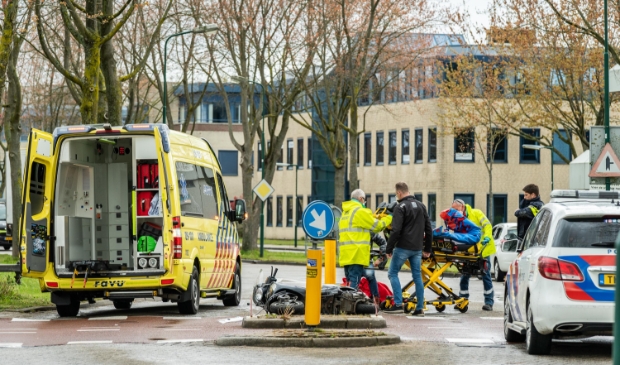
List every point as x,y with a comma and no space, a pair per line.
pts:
296,201
262,157
537,147
207,29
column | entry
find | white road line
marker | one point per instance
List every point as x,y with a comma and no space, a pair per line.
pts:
452,328
29,320
180,341
182,329
493,318
113,318
87,342
4,333
177,318
415,317
10,344
99,329
468,340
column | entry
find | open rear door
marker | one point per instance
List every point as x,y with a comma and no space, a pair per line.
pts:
162,147
40,171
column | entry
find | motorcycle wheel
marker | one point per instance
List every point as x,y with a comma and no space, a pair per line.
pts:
281,307
365,308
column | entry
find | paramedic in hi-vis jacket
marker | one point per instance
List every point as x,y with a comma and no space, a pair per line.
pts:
488,248
354,228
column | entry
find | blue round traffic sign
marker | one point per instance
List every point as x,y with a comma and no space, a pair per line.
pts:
318,220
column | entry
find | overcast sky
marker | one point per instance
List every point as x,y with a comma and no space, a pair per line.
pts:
477,9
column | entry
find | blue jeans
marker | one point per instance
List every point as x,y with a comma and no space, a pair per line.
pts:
369,274
399,256
354,274
486,282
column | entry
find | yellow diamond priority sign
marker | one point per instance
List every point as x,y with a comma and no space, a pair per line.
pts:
263,190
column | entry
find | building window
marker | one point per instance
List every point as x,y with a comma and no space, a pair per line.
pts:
432,209
229,162
562,147
527,155
300,204
219,113
500,209
378,200
281,157
289,154
464,145
289,211
419,197
300,153
405,146
260,159
419,145
380,148
391,198
358,150
521,197
279,211
309,152
432,144
369,201
367,148
269,203
467,198
497,146
392,148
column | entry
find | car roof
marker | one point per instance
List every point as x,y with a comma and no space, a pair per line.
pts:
583,208
509,225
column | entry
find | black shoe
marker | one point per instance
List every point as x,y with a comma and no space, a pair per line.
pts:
418,313
487,307
394,308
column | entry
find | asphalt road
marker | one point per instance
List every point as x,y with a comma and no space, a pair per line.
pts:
154,332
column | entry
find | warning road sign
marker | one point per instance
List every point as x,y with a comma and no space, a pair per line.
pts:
607,164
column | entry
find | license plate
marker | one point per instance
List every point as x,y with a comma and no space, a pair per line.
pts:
607,279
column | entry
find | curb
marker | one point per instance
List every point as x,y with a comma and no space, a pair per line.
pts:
308,342
326,322
33,309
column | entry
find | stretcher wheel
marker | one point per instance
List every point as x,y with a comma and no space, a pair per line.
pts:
464,309
383,305
409,307
440,308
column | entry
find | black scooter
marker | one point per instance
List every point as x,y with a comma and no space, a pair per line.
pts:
279,297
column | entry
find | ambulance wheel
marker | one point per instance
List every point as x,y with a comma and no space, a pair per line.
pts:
234,299
440,307
123,304
464,309
192,305
70,310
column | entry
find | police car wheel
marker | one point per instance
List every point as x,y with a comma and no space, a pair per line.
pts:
535,342
510,335
191,306
499,274
235,299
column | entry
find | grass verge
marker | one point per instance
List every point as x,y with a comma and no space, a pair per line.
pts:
284,257
27,294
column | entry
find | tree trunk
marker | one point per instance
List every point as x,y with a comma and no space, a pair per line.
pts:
340,171
13,113
353,148
491,208
112,83
249,231
90,88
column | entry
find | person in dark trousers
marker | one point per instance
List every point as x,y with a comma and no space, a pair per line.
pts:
369,272
411,234
528,209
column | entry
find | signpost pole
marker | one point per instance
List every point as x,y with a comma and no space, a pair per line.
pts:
606,68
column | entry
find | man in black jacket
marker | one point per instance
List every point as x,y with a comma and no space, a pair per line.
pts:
528,209
411,233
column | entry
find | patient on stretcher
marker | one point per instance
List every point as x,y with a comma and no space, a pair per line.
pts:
459,233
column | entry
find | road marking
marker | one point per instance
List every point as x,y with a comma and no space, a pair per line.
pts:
4,333
87,342
182,329
493,318
180,341
468,340
10,344
416,317
29,320
228,320
456,327
99,329
177,318
113,318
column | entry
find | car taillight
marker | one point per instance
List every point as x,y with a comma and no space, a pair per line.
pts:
177,241
554,269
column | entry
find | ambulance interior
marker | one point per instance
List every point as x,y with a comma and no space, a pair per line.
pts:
107,204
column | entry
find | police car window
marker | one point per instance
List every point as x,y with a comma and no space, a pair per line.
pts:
496,231
531,232
208,189
190,179
587,232
540,239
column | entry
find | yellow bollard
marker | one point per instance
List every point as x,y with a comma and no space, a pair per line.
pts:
330,261
314,266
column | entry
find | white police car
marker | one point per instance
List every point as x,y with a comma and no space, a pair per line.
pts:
562,282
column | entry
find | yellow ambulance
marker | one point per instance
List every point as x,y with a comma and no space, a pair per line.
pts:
119,213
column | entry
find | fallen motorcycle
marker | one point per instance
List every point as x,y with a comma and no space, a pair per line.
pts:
279,296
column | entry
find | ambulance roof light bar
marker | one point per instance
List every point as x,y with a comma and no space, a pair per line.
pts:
584,194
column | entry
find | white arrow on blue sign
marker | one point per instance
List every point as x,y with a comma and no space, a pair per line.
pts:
318,220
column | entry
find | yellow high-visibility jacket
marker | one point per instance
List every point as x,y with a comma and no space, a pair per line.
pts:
354,228
476,216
